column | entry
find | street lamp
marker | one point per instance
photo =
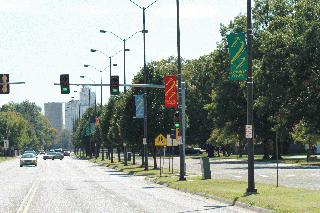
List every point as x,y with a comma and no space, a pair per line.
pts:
110,57
124,52
146,74
251,185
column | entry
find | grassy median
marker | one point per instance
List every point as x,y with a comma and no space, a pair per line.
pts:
281,199
5,158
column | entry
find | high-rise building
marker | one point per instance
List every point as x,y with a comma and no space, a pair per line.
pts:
53,111
76,108
71,114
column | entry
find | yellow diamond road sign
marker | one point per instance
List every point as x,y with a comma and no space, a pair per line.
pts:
160,140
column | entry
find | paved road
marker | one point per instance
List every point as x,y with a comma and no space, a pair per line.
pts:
291,175
74,185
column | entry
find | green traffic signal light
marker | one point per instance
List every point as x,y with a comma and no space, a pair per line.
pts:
64,84
114,85
177,125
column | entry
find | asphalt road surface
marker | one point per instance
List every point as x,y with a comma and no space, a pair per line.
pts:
73,185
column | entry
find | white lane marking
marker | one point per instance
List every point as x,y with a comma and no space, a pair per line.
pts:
290,175
25,199
264,175
31,198
237,176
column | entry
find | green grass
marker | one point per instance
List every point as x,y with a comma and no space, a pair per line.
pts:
5,158
281,199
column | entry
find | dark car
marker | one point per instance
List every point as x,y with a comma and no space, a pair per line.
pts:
28,159
49,155
58,155
66,153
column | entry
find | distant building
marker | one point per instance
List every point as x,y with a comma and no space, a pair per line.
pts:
53,111
71,114
76,108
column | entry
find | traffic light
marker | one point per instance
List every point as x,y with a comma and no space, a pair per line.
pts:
4,87
64,84
176,119
173,134
114,85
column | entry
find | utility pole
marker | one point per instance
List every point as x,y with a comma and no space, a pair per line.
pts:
251,184
179,77
145,123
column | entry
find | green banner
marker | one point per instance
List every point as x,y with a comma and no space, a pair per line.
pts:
238,54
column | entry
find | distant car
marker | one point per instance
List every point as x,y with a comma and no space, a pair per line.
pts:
28,159
58,155
42,152
66,153
49,155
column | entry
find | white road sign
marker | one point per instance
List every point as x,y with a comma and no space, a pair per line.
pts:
248,131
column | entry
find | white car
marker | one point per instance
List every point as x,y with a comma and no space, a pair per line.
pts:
28,159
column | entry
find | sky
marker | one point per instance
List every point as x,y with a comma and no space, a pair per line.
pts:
41,39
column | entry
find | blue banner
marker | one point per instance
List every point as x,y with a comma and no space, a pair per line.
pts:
138,99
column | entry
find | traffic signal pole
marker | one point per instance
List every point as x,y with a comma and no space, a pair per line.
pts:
181,146
251,184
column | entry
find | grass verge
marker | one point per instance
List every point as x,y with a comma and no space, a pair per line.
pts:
281,199
5,158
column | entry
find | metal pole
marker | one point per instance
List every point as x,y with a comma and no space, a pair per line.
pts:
251,184
277,153
182,160
124,65
89,123
102,146
145,123
183,126
110,70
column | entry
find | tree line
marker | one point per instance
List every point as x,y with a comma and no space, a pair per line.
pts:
25,127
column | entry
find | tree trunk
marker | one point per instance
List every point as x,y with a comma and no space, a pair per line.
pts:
240,148
133,156
111,150
265,150
125,156
118,152
155,166
142,158
210,151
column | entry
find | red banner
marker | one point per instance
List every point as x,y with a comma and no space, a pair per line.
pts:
170,91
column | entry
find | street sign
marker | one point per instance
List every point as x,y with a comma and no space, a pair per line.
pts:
160,140
170,91
138,99
238,55
6,144
144,141
4,86
248,131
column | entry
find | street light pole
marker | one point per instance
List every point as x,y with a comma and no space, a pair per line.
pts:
146,76
251,184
